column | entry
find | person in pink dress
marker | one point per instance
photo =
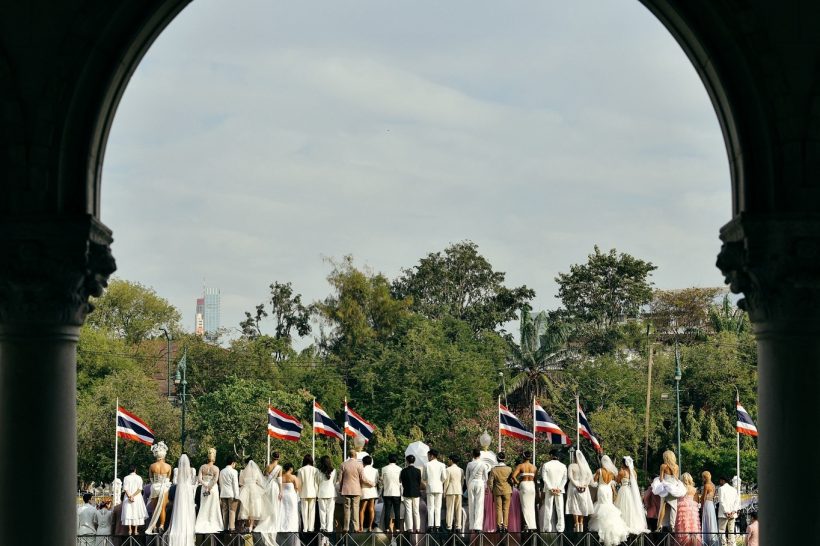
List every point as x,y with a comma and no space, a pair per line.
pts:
752,537
687,522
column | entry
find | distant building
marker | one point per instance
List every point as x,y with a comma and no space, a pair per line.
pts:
208,311
199,321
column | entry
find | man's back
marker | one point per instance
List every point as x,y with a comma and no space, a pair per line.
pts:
434,475
477,470
554,474
455,480
308,475
499,480
350,477
729,501
85,520
410,478
228,483
391,485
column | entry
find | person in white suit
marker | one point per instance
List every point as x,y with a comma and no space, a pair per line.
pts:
453,489
476,477
728,507
229,494
433,476
309,477
85,517
554,478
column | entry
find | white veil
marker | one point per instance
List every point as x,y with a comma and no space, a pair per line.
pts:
183,518
586,471
609,466
637,500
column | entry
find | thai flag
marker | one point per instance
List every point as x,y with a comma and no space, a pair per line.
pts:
131,427
586,431
510,425
745,425
323,424
354,424
283,426
544,423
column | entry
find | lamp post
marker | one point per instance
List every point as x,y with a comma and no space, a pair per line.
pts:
503,387
181,380
677,391
168,358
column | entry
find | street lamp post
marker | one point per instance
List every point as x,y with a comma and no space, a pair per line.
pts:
168,358
181,380
678,376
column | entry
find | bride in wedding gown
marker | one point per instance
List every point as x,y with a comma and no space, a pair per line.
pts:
183,519
606,518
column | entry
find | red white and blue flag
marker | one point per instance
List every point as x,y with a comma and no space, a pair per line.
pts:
283,426
586,431
745,425
544,423
323,424
355,424
510,425
131,427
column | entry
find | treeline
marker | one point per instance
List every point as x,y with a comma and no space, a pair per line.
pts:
422,356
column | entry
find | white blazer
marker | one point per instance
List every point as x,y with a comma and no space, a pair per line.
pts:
434,474
228,483
391,486
85,520
308,475
554,475
728,500
327,486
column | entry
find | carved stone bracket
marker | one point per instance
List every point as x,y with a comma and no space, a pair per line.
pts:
774,261
49,268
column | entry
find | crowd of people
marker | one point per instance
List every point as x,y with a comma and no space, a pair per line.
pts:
421,495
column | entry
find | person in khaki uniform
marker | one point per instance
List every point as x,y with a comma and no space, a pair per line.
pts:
453,489
499,484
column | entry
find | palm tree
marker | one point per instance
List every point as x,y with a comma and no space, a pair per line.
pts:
541,352
726,317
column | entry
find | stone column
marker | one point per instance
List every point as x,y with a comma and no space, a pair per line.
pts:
774,260
49,268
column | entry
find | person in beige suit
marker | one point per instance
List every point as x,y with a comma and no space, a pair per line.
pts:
499,484
351,479
453,489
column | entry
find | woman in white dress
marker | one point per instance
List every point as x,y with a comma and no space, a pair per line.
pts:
579,501
326,494
252,495
606,519
104,521
209,518
629,500
183,517
367,512
134,512
289,514
669,488
268,526
524,476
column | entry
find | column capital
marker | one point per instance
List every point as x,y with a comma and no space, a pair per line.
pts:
774,261
49,268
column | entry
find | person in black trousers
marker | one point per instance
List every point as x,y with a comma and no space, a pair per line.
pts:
410,478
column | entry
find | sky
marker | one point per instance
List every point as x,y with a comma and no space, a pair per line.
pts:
258,139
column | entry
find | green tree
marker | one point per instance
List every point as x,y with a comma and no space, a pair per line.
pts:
96,408
99,354
727,317
133,312
462,284
684,313
542,351
288,314
607,289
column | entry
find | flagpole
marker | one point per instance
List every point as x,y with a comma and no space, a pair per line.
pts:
267,432
313,432
737,439
533,432
499,423
344,432
577,422
116,440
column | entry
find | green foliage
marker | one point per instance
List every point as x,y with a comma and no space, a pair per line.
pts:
235,415
133,312
607,289
96,409
461,284
620,430
288,314
99,354
539,357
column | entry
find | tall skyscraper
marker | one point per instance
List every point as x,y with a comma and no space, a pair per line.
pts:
208,310
211,320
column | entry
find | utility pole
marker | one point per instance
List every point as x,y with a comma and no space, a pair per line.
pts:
678,376
648,402
168,359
